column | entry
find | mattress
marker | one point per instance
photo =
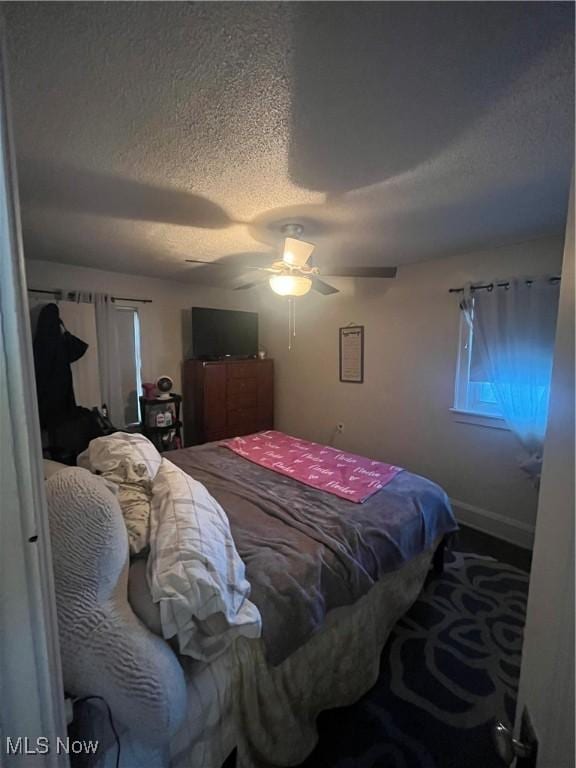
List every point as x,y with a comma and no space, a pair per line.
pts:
267,704
241,701
307,551
270,713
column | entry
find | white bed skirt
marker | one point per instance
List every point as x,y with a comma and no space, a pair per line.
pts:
276,707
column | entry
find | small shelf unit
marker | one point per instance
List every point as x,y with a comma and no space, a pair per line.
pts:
160,421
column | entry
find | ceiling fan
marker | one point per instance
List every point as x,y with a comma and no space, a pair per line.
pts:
294,274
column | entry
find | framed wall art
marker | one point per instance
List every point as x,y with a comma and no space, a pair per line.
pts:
352,354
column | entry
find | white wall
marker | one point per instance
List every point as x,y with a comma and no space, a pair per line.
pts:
547,678
165,323
401,412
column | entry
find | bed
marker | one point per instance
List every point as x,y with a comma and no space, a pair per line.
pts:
330,579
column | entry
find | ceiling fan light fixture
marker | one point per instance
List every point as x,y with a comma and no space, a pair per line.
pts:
296,252
290,285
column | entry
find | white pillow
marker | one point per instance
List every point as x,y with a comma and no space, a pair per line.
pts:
131,462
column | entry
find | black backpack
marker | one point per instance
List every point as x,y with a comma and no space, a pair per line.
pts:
73,435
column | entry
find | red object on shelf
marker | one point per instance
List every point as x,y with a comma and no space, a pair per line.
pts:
150,391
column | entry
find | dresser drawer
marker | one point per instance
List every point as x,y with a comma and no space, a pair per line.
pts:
247,370
242,399
242,421
228,398
212,435
248,386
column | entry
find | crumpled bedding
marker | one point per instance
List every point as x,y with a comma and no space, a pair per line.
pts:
308,552
195,573
131,463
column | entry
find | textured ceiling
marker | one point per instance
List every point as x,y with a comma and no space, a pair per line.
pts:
148,133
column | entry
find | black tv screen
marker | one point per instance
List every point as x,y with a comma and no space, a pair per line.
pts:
219,333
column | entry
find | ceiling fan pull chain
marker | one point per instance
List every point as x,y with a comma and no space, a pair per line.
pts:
291,321
289,324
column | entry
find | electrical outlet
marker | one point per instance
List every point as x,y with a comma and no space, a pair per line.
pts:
340,427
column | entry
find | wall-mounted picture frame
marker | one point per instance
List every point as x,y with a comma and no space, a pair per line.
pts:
352,354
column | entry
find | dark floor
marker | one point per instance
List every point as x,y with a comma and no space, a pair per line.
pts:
470,540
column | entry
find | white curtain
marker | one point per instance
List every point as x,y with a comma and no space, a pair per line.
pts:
79,319
109,357
514,328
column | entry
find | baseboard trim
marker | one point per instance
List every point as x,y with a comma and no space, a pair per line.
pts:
500,526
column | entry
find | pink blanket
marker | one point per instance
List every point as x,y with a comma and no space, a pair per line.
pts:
343,474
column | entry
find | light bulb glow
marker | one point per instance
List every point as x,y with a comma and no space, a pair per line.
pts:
290,285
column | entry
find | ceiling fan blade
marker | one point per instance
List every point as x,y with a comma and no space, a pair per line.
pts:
321,287
296,252
248,280
221,264
230,266
359,271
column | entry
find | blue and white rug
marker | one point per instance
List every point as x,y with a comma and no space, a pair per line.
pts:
450,667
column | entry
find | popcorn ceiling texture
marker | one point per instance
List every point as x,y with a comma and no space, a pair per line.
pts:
148,133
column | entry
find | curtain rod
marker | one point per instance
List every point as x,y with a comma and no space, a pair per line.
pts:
491,286
67,295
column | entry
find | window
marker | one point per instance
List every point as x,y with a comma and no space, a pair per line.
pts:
128,326
473,392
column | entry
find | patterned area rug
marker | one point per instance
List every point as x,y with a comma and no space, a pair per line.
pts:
450,667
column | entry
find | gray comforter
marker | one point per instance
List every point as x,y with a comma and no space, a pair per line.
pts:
307,551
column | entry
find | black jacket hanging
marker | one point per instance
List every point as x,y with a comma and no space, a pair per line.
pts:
54,349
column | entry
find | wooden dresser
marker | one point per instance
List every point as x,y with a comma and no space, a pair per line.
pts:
225,399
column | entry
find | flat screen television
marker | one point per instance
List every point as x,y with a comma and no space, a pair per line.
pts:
224,333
